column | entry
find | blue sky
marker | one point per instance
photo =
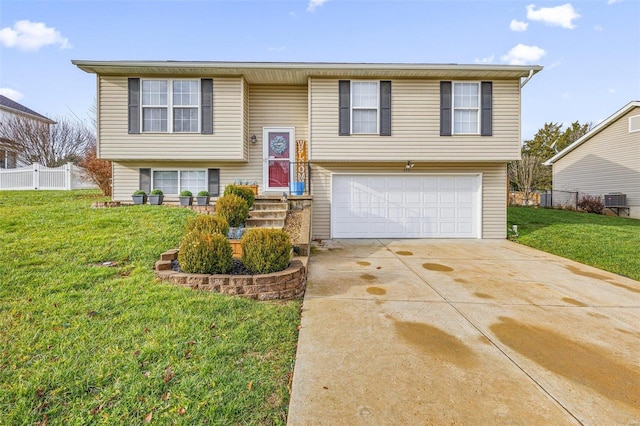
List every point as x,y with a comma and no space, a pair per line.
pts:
590,49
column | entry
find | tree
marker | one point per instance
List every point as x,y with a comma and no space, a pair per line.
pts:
51,145
98,170
525,174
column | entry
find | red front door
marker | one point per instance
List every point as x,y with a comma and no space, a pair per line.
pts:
278,155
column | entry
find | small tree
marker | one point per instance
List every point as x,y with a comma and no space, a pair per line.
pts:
99,171
527,174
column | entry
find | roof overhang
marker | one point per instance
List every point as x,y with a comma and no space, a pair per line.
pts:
591,133
299,72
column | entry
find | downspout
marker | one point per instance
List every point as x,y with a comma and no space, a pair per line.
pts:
526,80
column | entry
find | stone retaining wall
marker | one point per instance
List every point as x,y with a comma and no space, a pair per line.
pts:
287,284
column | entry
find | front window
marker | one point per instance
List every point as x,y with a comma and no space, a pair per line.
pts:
170,101
172,182
466,108
364,105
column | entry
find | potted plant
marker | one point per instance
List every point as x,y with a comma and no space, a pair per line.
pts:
186,198
139,197
203,198
156,197
253,187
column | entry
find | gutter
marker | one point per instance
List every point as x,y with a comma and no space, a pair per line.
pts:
526,80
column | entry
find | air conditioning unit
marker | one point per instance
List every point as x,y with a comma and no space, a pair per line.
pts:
615,199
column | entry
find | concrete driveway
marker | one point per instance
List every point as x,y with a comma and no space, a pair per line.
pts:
464,332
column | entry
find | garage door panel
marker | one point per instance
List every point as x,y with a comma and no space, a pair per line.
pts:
397,206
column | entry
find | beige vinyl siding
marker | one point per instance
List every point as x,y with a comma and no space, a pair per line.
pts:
226,142
268,106
278,106
607,162
494,190
415,126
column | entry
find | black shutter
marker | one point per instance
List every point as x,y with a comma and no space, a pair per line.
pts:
206,100
385,108
145,180
445,108
486,113
344,106
214,182
134,105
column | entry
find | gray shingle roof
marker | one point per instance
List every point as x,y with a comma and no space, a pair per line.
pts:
8,103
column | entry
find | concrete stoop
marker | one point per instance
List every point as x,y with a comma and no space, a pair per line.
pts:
268,213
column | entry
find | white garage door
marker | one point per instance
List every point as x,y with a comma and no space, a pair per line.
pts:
405,206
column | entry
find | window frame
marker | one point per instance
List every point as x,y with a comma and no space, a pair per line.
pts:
478,108
179,171
352,108
170,105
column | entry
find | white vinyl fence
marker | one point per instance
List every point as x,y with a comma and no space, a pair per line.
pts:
37,176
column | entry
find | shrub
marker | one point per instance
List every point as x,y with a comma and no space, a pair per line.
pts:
245,193
186,193
209,224
98,170
266,250
203,194
139,192
591,204
233,208
205,253
156,192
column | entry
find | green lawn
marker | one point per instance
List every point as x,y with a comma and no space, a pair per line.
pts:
83,343
606,242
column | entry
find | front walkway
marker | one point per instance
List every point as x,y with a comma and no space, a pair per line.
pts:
464,332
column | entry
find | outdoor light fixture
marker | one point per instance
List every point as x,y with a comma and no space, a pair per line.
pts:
409,166
253,139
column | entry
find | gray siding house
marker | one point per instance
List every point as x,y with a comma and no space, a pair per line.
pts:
605,160
394,150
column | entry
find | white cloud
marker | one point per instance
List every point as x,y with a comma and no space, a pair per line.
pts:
516,25
11,93
553,65
27,35
522,54
598,27
487,60
561,16
613,1
276,49
612,91
313,4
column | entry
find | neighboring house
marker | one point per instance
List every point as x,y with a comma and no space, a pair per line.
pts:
395,150
605,160
9,158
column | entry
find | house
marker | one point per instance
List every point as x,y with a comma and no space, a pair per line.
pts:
9,110
605,160
394,150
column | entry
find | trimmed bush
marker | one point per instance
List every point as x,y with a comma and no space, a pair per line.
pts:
245,193
205,253
266,250
203,194
591,204
233,208
209,224
139,192
156,192
186,193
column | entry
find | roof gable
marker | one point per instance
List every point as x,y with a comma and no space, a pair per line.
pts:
597,129
13,106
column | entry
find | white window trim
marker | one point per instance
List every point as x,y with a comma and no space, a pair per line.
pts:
170,105
168,169
351,107
636,128
453,107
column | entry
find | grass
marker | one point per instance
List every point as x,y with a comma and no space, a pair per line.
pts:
84,343
606,242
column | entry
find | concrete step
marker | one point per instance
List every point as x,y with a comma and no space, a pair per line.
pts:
265,223
268,214
267,205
